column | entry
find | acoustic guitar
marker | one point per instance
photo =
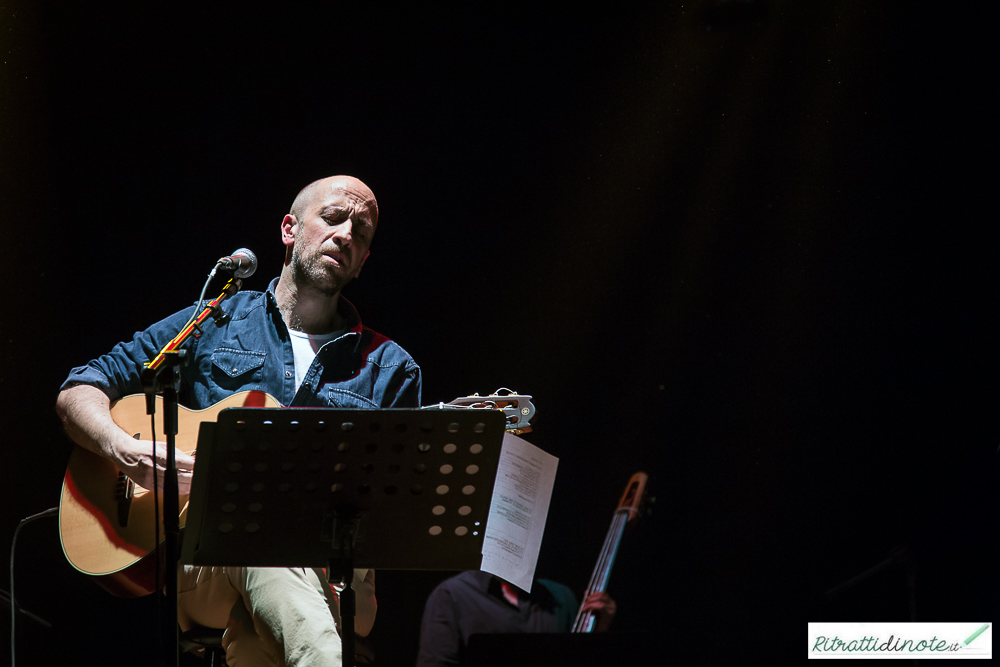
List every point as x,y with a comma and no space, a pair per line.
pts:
628,511
106,521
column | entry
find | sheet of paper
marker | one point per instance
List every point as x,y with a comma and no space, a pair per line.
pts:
520,505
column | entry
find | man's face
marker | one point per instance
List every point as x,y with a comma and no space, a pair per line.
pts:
331,240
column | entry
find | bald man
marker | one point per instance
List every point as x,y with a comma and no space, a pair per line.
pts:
301,342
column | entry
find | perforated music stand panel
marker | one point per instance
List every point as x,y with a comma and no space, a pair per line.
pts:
268,483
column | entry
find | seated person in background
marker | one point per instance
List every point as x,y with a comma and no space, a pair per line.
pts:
476,602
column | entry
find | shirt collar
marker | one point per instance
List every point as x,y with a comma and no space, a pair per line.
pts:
346,309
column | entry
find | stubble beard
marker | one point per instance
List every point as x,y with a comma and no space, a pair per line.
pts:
309,273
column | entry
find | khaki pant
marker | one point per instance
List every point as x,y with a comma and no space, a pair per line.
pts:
273,617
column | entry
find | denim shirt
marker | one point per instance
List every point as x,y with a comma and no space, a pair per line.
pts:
251,349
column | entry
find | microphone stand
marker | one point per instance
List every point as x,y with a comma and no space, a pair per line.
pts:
163,373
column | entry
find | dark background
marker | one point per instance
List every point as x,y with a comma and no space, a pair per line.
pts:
742,246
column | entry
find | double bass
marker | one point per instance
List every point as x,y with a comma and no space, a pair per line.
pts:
629,509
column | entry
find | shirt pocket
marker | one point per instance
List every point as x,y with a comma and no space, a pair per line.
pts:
342,397
233,368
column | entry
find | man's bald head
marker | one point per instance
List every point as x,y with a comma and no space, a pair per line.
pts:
348,185
328,234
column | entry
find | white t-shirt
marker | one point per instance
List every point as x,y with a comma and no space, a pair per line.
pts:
304,348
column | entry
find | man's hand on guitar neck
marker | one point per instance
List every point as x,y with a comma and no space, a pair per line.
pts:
86,415
603,607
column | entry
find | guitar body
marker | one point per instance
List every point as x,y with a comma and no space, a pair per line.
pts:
106,523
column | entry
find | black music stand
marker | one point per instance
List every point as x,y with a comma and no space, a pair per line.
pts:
397,489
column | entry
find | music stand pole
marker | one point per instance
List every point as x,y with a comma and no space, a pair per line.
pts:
344,568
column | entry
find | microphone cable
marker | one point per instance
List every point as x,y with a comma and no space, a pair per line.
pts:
14,607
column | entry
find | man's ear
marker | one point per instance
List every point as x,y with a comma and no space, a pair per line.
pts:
289,225
363,260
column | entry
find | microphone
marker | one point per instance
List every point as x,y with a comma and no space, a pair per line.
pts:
242,263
